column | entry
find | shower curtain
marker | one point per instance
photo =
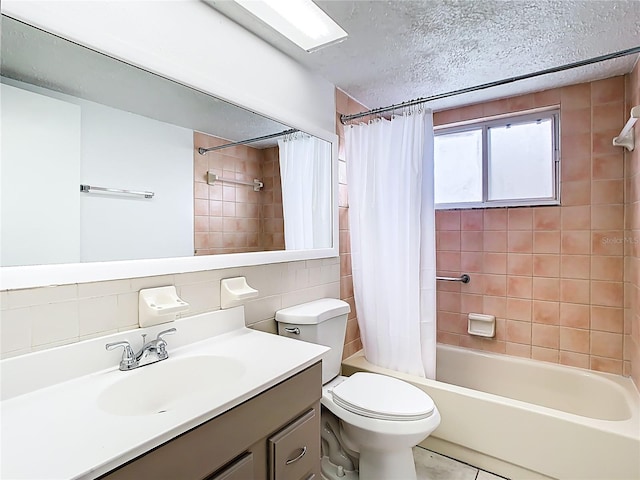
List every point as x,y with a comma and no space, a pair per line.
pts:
391,218
305,174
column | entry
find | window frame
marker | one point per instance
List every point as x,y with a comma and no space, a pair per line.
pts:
500,121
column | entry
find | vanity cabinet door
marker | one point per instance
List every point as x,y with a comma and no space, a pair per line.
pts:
241,469
295,450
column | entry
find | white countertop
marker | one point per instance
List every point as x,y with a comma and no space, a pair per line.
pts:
59,431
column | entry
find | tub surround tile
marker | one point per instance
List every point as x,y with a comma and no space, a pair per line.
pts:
519,309
606,344
572,359
494,263
575,242
547,241
518,350
520,264
495,219
564,264
546,312
608,167
545,336
518,332
574,340
574,291
472,220
575,193
607,319
519,287
544,354
575,266
576,218
546,266
546,218
607,365
574,315
520,241
546,288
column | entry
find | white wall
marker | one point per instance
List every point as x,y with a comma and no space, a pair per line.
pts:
118,150
40,176
188,41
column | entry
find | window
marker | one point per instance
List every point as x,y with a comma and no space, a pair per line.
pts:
509,161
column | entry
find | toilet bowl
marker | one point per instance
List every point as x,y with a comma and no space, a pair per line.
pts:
370,422
381,419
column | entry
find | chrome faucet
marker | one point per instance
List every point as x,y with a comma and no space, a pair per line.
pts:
151,352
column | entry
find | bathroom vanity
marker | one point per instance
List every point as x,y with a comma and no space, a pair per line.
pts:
228,403
275,435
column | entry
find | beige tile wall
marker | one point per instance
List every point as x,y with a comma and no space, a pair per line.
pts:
40,318
231,218
632,236
553,276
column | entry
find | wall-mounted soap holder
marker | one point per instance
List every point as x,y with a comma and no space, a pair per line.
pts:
235,290
481,325
159,305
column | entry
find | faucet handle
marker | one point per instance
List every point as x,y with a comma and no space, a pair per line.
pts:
161,343
170,331
128,356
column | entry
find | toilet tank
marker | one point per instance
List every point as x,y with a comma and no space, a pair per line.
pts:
323,322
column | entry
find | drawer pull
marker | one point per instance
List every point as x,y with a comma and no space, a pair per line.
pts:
293,460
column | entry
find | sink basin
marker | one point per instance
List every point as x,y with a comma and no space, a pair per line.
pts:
169,385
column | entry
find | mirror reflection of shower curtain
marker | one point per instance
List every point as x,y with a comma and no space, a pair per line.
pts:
392,227
305,173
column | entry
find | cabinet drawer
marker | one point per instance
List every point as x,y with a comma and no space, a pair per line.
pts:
241,469
294,452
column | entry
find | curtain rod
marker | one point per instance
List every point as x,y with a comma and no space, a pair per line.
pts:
203,151
610,56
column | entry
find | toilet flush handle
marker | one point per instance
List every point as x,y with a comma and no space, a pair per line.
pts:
294,330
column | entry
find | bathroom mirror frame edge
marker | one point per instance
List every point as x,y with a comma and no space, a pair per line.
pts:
19,277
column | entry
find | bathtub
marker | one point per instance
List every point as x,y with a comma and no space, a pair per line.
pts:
523,418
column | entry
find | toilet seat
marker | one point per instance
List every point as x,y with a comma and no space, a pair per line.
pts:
381,397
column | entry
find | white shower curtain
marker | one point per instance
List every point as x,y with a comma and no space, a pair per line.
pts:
305,173
391,218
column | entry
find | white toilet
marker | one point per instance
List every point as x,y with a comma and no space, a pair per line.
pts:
379,418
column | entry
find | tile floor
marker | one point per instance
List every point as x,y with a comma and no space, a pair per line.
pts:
432,466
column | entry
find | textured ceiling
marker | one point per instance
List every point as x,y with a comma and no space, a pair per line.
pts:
401,50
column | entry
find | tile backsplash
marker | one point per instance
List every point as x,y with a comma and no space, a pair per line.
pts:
39,318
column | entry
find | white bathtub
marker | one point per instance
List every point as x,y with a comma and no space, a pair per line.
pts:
528,419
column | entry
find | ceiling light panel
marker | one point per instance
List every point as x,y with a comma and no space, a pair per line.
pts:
301,21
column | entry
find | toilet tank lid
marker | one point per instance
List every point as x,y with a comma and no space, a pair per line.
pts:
313,312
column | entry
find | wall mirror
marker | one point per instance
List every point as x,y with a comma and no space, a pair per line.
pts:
109,168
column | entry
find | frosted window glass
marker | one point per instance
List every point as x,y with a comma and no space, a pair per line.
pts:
521,161
458,167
